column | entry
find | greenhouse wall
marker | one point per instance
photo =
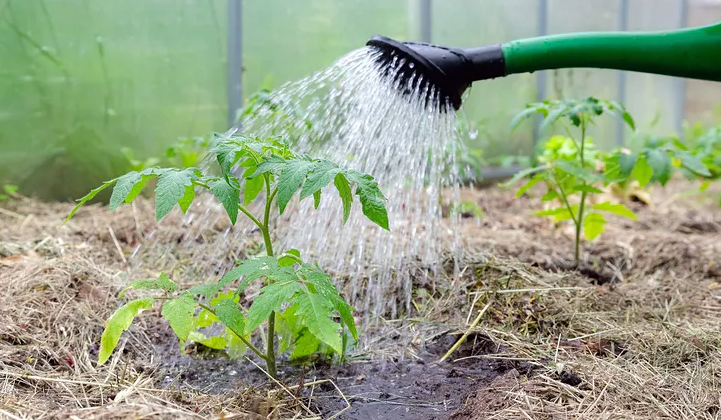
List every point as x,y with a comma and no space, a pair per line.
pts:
82,80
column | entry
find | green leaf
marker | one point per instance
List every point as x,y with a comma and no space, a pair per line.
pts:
549,196
316,199
346,195
522,174
270,299
593,225
643,172
305,346
322,283
316,312
122,189
618,209
322,174
229,314
693,163
626,163
179,313
88,197
187,199
577,171
290,180
118,322
171,189
215,342
559,213
253,187
661,164
229,196
271,165
587,189
163,282
528,185
371,198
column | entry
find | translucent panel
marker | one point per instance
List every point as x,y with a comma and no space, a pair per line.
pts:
653,100
82,79
595,15
703,99
287,40
493,103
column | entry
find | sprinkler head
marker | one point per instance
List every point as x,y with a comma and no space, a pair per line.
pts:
450,71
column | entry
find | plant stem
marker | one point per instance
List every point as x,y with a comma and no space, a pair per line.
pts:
270,348
581,207
250,216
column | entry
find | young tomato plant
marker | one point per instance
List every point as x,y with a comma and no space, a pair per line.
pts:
297,300
568,166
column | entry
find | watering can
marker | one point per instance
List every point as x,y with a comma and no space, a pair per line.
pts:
693,53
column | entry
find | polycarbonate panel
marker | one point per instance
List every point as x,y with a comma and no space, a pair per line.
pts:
286,40
567,16
652,99
491,104
82,79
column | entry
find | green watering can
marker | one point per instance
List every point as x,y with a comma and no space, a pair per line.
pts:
693,53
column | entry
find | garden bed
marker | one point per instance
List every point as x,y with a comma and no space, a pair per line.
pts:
634,334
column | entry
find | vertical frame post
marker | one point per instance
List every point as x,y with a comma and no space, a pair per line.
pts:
235,59
425,20
680,83
622,75
541,76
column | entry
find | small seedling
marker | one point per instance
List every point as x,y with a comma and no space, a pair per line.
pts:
297,300
568,166
8,191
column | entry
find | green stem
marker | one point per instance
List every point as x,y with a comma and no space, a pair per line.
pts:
250,216
270,348
581,207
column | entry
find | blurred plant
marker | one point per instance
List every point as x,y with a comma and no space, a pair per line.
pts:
569,166
8,192
137,164
297,299
466,209
188,152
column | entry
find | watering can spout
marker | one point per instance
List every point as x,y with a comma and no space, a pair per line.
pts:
417,67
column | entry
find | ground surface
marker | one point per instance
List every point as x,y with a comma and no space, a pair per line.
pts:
635,334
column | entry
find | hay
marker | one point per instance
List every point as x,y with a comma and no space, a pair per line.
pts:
645,343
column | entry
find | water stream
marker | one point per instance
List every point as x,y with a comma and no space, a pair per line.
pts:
352,115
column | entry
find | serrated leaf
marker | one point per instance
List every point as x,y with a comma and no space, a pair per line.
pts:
271,165
661,164
290,180
321,175
315,311
322,283
346,195
179,313
187,199
582,173
229,197
618,209
163,282
122,189
593,225
229,314
306,345
270,299
642,171
118,322
171,189
89,196
371,198
288,327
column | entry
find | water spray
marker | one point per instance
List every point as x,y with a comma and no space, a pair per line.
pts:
693,53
